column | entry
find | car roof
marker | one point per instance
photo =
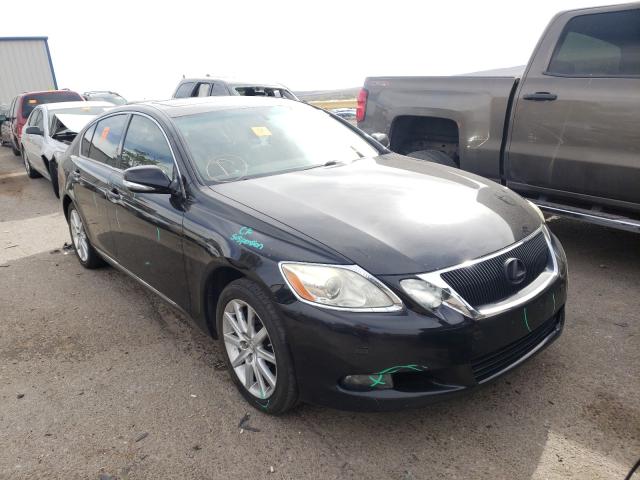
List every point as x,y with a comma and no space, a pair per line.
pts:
78,104
46,92
234,81
187,106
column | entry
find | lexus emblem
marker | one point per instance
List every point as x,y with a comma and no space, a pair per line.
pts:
515,270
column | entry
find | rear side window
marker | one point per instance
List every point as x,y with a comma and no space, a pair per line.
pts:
31,101
86,141
184,90
602,45
145,144
106,139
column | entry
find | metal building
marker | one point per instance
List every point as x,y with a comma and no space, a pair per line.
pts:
25,66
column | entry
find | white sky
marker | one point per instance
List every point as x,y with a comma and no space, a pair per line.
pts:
142,49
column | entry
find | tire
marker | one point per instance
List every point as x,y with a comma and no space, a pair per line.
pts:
53,172
15,151
31,173
87,255
276,399
435,156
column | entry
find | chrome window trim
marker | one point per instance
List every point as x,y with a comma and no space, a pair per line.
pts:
397,303
124,137
521,297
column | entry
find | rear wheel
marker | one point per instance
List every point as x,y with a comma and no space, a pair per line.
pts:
87,255
15,151
31,173
435,156
253,339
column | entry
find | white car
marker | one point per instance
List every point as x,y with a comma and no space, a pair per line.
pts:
49,130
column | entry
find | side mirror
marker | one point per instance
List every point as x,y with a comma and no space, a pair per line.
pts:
381,138
147,179
33,130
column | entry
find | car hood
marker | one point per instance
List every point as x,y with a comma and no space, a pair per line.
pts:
392,214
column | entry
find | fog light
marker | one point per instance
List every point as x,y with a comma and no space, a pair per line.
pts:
374,381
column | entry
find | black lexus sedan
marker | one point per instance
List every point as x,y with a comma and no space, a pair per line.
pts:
331,270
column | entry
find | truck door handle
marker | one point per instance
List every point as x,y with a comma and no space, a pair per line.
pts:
540,96
114,195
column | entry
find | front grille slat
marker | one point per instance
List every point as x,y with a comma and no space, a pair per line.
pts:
485,282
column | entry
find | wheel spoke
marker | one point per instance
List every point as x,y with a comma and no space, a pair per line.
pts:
248,376
258,374
240,359
266,355
240,316
232,339
234,325
265,372
251,319
259,337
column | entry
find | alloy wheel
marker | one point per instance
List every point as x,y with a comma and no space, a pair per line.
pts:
249,349
78,235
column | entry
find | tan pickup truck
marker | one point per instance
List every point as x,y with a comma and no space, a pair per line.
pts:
566,134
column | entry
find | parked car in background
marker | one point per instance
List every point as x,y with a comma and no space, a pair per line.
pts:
48,132
330,269
214,87
105,96
4,113
22,105
565,135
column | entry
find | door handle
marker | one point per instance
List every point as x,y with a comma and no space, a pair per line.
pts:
114,195
540,96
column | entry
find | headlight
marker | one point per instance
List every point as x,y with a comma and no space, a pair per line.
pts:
340,287
431,296
538,211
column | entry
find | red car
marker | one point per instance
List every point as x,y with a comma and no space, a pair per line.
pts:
23,104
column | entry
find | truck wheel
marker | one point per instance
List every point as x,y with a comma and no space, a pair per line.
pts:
435,156
16,152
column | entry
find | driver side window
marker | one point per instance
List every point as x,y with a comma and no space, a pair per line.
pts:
145,144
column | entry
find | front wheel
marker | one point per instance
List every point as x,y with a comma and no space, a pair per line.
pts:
87,255
31,173
252,336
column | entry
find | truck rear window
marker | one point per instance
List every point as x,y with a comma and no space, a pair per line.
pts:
29,102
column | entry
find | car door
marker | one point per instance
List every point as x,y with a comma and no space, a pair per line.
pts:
32,143
149,225
91,178
577,117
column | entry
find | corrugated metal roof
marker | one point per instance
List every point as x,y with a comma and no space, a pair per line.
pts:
26,66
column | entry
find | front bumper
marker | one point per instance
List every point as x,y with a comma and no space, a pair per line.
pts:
430,358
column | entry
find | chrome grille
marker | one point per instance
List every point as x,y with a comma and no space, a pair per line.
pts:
486,282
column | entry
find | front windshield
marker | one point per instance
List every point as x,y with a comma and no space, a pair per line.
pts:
228,145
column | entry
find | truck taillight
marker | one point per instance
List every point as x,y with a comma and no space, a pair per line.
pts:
361,108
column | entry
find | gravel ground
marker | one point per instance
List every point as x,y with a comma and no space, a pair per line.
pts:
100,379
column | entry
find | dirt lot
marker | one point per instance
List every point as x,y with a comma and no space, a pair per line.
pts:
99,379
